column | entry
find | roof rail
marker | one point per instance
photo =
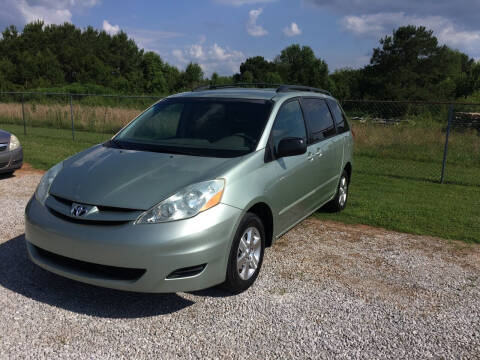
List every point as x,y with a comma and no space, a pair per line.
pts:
278,87
286,88
235,85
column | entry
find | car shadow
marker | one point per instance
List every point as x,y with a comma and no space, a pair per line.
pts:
6,176
19,274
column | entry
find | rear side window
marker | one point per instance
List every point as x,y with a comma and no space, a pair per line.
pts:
319,120
288,123
339,115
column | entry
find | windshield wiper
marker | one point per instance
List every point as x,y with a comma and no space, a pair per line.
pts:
113,143
169,150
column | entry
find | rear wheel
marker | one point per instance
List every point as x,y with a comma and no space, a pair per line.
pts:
339,202
246,254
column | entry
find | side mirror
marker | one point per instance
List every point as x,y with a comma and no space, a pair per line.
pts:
290,147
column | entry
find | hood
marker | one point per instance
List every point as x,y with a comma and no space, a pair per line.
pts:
132,179
4,137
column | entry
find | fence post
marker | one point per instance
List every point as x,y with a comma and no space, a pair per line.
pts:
23,117
71,117
449,125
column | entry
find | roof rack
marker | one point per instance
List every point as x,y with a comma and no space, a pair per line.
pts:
236,85
278,87
286,88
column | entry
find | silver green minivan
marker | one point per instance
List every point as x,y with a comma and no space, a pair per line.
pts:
190,193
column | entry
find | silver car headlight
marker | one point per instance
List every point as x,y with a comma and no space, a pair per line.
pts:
185,203
14,143
44,185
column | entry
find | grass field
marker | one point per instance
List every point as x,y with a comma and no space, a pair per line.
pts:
394,185
58,116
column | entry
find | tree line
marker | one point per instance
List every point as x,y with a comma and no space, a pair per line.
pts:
408,65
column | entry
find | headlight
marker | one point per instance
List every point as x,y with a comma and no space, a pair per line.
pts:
14,143
185,203
44,185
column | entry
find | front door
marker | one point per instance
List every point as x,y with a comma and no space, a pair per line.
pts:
291,191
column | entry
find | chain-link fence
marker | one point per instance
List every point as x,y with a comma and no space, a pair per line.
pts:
428,141
431,141
76,116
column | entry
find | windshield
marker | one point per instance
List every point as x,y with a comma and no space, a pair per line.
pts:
198,126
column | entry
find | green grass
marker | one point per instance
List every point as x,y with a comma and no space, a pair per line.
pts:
392,190
44,147
413,206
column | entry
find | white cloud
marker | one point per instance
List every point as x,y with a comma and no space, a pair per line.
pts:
212,58
252,27
223,54
109,28
151,40
196,52
20,12
178,54
292,30
48,15
243,2
447,31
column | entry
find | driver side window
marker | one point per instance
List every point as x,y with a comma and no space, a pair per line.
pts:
288,123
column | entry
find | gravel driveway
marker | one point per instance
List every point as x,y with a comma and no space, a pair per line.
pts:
326,290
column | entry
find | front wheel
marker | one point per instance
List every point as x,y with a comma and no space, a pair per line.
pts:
339,202
246,254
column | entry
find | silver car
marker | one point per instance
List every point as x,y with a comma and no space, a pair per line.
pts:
11,153
192,191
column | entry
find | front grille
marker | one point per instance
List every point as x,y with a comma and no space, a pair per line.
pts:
187,272
86,221
3,147
92,269
4,164
61,207
100,207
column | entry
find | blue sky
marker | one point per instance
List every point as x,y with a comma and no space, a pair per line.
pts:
220,34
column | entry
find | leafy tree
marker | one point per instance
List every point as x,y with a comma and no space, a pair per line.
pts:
299,65
258,69
411,65
153,77
346,83
221,80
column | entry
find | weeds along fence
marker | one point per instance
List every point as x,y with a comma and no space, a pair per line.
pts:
426,141
76,112
430,141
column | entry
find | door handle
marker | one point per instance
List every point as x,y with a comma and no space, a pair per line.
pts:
310,156
319,153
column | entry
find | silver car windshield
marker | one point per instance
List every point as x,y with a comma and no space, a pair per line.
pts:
198,126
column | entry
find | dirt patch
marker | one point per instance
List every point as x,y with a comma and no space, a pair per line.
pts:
28,169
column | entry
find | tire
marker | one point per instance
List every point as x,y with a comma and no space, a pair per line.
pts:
339,202
248,245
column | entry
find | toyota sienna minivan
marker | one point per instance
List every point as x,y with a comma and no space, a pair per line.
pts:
190,193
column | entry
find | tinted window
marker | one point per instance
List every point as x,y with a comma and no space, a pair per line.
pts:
339,115
205,127
319,119
289,123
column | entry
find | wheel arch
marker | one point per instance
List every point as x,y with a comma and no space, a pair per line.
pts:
348,169
263,211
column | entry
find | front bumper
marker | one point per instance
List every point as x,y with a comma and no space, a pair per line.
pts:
11,160
160,249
